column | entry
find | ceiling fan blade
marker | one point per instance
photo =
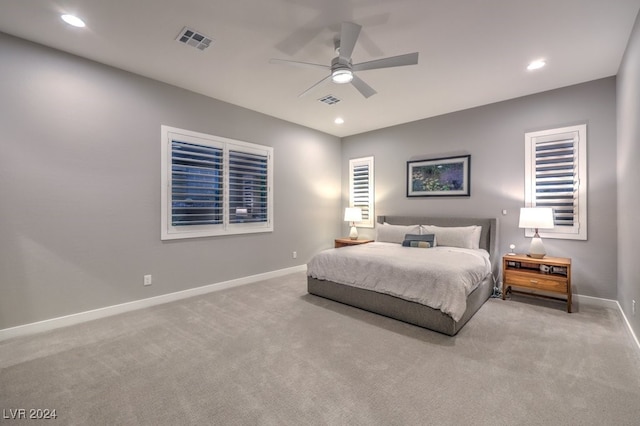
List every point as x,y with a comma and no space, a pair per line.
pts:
393,61
348,37
298,64
314,86
366,90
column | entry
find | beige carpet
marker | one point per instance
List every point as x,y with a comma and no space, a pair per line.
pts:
270,354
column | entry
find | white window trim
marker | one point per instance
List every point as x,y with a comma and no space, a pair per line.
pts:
579,133
169,232
358,162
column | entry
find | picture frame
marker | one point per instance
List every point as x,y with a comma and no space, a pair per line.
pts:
439,177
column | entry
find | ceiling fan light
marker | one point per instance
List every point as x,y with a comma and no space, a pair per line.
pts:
342,76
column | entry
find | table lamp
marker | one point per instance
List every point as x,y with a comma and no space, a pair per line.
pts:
353,214
536,218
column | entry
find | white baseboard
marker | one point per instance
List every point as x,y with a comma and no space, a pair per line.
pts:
612,304
50,324
626,320
596,301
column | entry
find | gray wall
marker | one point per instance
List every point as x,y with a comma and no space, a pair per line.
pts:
80,176
629,179
494,136
80,187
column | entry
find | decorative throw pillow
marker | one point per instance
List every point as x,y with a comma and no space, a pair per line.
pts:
456,236
422,241
387,233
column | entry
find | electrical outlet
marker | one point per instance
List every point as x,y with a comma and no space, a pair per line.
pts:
294,254
147,280
633,307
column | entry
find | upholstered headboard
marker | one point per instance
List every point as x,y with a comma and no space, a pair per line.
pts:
488,236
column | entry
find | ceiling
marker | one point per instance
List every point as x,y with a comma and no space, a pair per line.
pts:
472,52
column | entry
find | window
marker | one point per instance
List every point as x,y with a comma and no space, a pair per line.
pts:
556,177
214,186
361,189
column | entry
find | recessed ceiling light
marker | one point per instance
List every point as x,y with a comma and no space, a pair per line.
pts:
339,120
535,65
73,20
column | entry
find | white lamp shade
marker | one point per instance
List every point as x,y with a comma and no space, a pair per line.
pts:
536,217
352,214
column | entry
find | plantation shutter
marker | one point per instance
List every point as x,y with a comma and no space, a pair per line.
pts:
556,174
214,186
248,187
196,184
361,189
556,180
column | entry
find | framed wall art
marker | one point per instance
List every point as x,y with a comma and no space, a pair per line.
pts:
439,177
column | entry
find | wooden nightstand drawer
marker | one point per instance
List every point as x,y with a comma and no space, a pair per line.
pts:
536,281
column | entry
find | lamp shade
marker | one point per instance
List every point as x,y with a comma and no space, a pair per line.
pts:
536,217
352,214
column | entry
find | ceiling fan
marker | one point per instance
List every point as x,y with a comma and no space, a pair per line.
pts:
342,69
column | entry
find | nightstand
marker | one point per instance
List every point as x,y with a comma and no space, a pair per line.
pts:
343,242
549,274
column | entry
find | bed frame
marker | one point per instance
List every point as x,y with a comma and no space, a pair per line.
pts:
412,312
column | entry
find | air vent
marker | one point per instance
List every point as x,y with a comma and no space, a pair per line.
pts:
329,100
194,38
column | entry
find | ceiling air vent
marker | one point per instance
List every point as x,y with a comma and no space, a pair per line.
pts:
194,38
329,100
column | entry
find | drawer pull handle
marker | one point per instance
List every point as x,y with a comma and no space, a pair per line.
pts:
534,281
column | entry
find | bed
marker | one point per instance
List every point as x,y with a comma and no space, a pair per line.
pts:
376,290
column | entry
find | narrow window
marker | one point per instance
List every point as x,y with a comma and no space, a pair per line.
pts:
556,177
361,191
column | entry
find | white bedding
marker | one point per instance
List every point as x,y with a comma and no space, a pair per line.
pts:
440,277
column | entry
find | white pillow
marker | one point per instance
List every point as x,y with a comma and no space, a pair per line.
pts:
475,239
455,236
387,233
